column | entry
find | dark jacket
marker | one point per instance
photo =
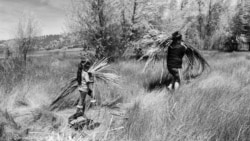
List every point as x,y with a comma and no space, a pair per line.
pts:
175,54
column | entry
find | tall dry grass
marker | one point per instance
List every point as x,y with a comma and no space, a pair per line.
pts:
211,107
26,91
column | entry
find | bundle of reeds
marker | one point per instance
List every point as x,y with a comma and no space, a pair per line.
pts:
100,71
69,88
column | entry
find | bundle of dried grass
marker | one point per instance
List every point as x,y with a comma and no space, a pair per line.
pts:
99,71
69,88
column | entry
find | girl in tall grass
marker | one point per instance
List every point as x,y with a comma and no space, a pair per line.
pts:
84,81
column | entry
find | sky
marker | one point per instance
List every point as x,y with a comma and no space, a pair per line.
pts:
50,13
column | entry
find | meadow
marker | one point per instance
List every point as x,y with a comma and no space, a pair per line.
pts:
212,107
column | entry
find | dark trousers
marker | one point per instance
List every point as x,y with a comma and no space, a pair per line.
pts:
81,102
81,105
175,75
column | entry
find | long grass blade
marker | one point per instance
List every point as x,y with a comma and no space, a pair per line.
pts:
65,91
195,58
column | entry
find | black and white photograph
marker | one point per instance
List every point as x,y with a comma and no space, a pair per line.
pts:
124,70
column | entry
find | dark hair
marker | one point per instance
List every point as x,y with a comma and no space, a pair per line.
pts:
176,36
79,73
84,64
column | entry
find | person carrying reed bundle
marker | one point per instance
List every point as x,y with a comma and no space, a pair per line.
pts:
100,73
84,81
176,52
175,49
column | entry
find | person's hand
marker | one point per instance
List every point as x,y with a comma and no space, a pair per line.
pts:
92,100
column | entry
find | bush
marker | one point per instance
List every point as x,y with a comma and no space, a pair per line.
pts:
230,44
12,72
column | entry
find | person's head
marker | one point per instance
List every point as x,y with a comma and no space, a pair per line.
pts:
85,64
176,36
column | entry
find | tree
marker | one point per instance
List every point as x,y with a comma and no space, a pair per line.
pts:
108,27
93,23
200,18
27,31
240,24
245,20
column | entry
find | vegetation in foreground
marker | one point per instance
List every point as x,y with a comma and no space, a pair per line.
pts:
211,107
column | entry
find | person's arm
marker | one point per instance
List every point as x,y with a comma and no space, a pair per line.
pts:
183,44
87,77
88,82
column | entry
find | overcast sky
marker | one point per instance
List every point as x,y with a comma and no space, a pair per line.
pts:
50,13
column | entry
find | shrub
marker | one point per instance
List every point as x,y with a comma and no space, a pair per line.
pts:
12,72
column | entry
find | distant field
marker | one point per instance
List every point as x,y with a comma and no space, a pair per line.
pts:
55,51
74,51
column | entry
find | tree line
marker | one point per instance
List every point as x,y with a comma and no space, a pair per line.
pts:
110,27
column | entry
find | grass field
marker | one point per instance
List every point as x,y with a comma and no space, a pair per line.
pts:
212,107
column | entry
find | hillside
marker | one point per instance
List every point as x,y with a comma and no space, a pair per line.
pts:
46,42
